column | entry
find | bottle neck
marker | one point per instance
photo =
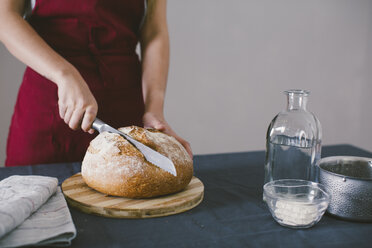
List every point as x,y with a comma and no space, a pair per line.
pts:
296,100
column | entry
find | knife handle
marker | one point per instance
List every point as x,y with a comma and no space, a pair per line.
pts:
98,125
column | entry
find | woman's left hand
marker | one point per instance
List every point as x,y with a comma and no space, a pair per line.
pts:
156,121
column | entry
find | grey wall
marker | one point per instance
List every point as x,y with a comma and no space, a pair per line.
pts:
231,60
11,72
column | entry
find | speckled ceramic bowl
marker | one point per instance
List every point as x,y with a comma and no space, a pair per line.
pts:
349,181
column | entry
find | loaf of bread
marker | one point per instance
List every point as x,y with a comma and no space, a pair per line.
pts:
113,166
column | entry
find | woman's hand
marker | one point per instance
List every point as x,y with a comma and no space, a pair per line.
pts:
156,121
77,105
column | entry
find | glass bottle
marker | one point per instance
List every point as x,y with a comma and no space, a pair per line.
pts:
293,141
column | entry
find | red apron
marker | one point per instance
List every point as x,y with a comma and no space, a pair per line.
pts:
99,38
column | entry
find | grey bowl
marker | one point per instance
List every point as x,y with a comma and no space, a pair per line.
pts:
349,181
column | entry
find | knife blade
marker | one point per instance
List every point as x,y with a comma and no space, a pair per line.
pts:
150,155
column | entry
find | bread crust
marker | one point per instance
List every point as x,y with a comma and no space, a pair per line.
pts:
113,166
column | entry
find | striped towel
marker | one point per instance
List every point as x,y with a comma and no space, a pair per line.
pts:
33,211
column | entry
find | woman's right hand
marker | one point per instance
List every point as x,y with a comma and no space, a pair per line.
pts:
77,105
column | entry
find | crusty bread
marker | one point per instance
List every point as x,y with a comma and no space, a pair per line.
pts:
113,166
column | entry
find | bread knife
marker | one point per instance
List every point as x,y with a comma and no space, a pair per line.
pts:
150,155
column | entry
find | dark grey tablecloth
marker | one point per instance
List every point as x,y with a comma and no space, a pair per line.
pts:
232,213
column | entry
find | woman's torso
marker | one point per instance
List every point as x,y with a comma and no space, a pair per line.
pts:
98,37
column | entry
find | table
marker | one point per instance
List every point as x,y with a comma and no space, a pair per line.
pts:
232,213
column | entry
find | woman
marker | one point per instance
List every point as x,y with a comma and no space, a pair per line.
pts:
81,61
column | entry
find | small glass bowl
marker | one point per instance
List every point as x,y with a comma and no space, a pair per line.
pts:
296,203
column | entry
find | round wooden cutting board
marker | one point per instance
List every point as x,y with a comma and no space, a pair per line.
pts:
88,200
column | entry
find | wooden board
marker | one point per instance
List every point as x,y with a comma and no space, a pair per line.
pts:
88,200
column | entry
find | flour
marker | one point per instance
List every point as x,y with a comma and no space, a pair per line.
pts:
295,213
106,143
170,146
126,130
167,145
109,158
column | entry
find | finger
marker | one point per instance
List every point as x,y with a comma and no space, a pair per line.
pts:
160,126
188,149
185,144
147,124
155,124
76,118
68,115
62,110
91,131
89,116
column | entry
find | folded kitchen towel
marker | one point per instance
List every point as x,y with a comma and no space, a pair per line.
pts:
20,196
33,211
50,225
